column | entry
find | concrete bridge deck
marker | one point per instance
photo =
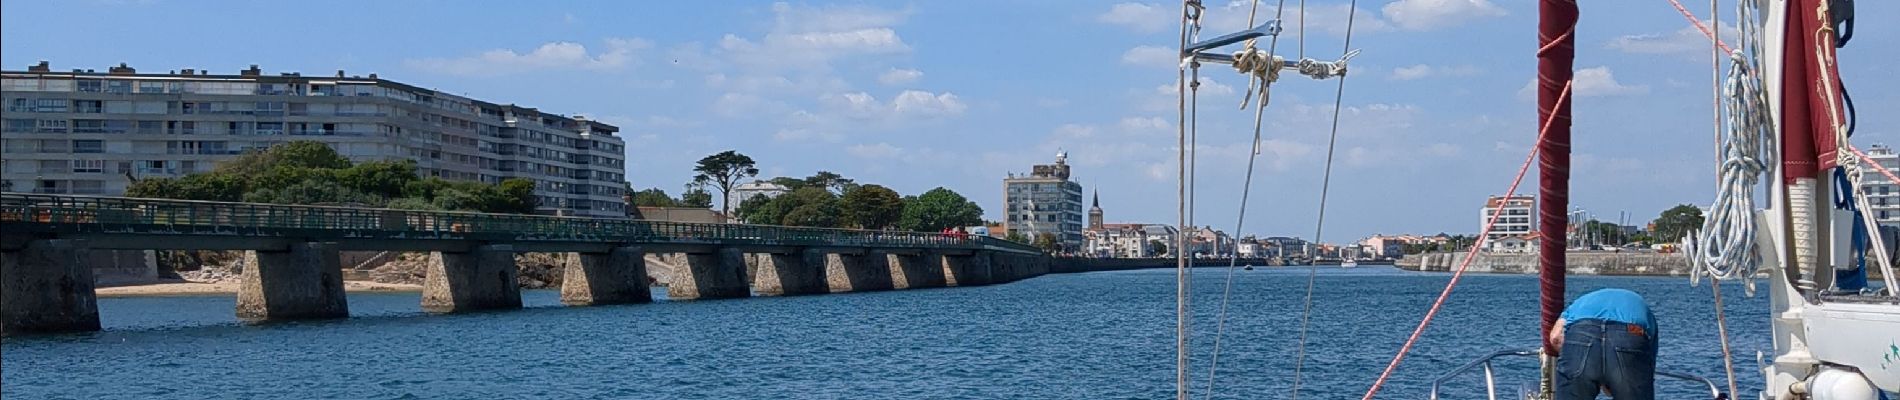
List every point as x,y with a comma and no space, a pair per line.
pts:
292,270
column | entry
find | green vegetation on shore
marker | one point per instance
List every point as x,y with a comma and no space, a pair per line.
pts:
309,172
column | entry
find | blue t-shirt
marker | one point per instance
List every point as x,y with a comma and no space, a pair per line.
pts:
1619,305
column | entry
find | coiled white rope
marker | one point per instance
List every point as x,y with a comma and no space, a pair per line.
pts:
1725,245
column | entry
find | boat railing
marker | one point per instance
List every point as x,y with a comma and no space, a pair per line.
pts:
1490,377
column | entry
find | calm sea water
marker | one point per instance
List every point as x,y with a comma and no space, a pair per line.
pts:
1084,336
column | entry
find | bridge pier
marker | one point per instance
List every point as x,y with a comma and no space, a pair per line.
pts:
46,287
618,276
481,279
302,282
717,275
864,271
967,270
788,274
923,269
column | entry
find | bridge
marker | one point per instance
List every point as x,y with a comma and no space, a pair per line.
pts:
292,269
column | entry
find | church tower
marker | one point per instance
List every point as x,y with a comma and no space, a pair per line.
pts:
1095,211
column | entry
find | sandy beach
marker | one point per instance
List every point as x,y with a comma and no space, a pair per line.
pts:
181,287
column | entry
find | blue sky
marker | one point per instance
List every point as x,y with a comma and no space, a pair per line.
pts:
959,93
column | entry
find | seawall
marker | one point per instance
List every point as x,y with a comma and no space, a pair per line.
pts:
1578,263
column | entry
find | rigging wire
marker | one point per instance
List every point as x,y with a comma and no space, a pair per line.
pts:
1326,182
1189,20
1471,254
1227,287
1715,106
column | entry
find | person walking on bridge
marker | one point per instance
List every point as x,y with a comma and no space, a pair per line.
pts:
1606,342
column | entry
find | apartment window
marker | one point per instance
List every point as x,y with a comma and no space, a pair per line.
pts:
50,105
1883,190
118,126
151,127
91,85
88,166
88,106
151,87
89,126
52,126
118,86
89,146
20,125
270,128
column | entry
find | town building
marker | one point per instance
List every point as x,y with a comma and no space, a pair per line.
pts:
1516,221
1119,241
1045,201
86,132
756,188
1883,195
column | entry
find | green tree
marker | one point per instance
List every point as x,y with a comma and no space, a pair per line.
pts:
1676,222
1017,237
653,198
381,178
307,154
788,182
938,209
207,186
723,171
1048,242
1161,248
830,181
695,196
514,196
870,207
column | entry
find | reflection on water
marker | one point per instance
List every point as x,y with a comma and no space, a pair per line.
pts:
1100,335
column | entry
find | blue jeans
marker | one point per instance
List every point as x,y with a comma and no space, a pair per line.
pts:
1610,356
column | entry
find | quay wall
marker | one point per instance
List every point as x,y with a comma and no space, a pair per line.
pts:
1073,265
1577,263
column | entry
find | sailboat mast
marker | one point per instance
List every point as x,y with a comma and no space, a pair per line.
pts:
1557,19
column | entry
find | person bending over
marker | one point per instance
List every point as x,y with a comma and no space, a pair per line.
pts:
1606,343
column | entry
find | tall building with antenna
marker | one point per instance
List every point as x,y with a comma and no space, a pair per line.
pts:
1045,201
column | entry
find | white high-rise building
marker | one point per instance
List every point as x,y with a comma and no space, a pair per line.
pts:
1883,194
1516,226
1045,201
86,132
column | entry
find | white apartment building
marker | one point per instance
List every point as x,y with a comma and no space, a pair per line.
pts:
86,132
1518,220
1883,194
755,188
1045,201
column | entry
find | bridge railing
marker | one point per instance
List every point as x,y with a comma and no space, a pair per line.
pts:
100,214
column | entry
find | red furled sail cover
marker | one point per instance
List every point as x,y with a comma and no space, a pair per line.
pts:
1807,140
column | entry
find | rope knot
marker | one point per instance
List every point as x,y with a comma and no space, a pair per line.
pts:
1252,61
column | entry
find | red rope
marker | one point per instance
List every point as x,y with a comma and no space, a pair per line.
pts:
1699,26
1469,256
1870,161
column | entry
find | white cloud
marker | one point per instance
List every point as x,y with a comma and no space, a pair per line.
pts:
898,76
1685,41
1073,131
1152,56
1324,18
550,56
809,37
1140,17
793,18
1146,125
1422,15
909,103
1588,82
879,150
1421,71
